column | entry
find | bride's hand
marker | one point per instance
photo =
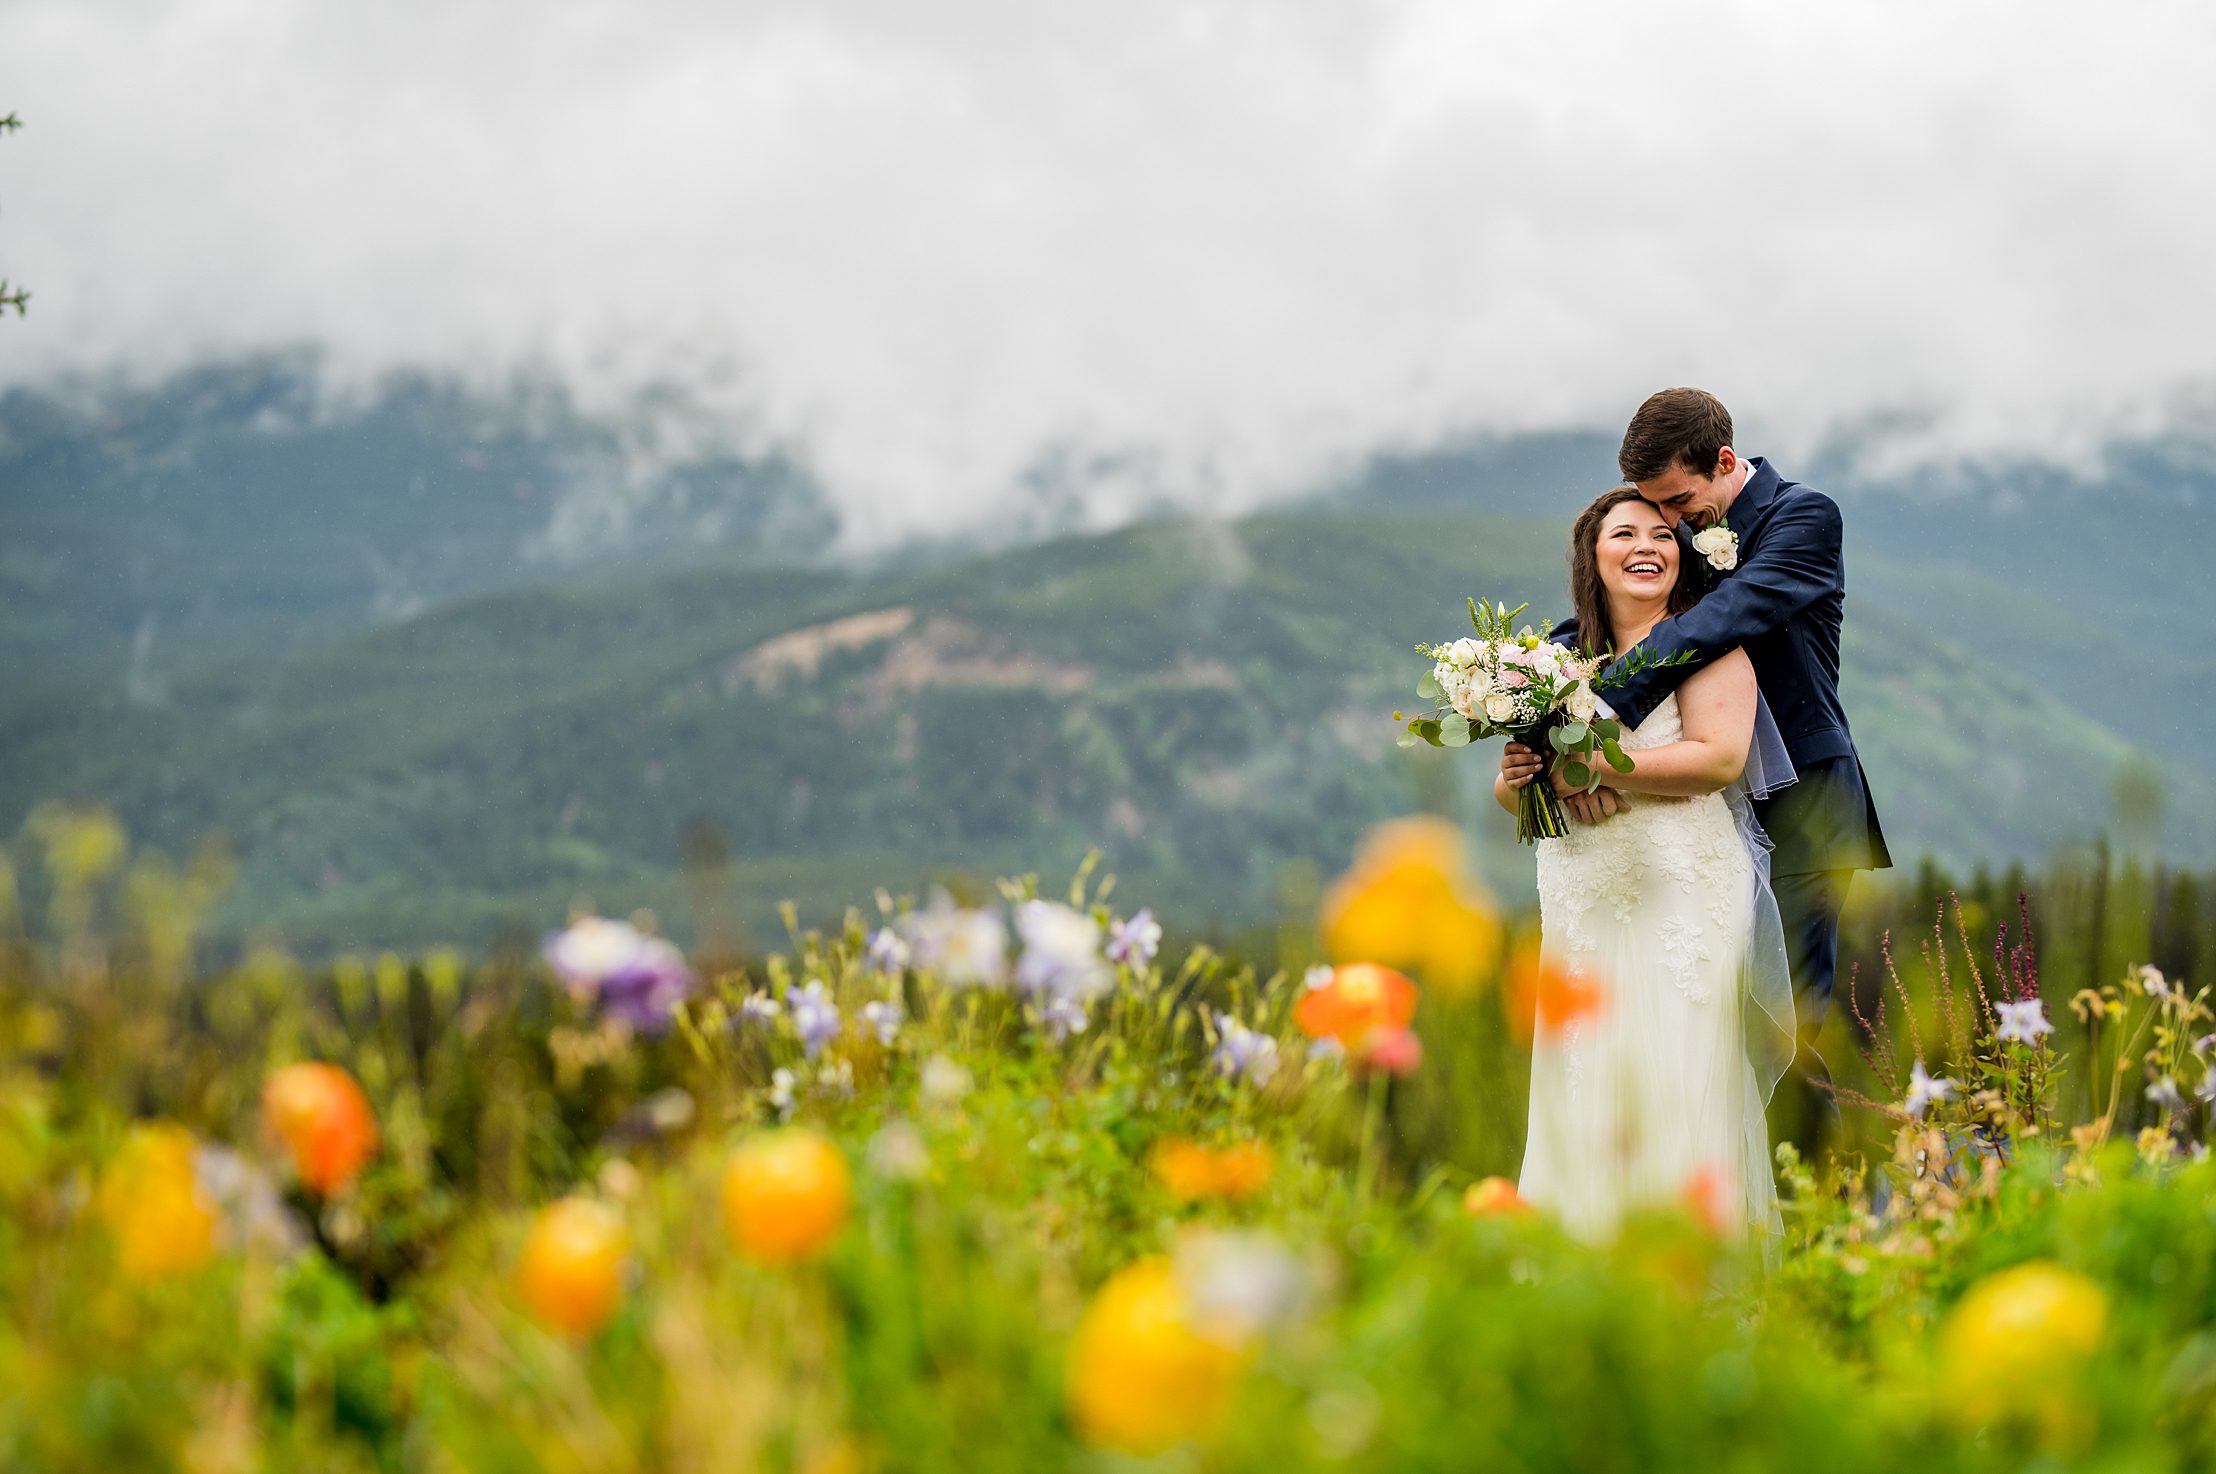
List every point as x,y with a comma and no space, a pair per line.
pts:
1518,765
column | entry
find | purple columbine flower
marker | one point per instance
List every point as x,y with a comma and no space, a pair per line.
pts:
1061,1016
888,951
645,995
1134,942
1243,1051
815,1016
2024,1022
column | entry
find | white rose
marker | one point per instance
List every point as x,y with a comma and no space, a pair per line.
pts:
1500,706
1465,651
1719,545
1581,703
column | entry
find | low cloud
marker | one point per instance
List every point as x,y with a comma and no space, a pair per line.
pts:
963,256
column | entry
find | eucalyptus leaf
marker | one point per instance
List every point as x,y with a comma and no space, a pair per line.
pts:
1617,757
1428,687
1578,774
1609,728
1454,733
1428,730
1406,739
1573,733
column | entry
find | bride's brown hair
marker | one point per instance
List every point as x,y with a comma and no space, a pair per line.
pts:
1588,597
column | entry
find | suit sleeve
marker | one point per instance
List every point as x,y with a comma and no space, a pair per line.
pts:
1797,563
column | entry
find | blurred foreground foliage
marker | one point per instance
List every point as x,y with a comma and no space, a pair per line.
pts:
1184,1229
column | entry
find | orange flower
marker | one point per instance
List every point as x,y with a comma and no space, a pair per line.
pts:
1546,996
324,1121
1192,1172
1395,1051
1141,1376
1409,901
571,1272
1707,1197
1495,1197
785,1195
1358,999
151,1201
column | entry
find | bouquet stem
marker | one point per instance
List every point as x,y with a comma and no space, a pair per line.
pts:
1539,813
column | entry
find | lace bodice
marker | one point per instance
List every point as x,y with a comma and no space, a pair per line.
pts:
1675,864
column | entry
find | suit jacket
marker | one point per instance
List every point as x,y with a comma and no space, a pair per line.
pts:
1782,604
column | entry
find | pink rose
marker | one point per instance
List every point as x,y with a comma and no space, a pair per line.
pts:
1514,678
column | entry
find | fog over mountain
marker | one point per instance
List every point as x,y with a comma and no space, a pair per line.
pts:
964,260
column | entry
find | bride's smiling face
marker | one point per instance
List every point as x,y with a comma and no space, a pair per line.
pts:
1635,553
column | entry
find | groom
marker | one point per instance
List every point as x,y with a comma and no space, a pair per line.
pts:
1781,599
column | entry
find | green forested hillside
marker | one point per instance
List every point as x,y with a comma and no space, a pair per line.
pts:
1208,704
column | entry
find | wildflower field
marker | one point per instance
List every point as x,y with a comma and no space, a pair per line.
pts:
1004,1181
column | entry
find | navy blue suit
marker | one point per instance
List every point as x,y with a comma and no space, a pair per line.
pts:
1782,604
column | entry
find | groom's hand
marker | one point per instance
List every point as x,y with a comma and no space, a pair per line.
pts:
1591,808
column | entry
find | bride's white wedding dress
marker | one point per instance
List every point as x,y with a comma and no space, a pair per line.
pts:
1652,1096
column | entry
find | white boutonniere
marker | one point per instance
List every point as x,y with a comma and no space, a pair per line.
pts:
1719,545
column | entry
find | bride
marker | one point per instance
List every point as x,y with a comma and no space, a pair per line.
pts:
1657,1095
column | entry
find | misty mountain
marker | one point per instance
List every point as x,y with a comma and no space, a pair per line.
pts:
253,508
1209,704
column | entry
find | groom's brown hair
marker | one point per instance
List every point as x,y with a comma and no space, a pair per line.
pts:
1675,427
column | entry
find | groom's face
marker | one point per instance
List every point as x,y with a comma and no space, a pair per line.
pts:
1685,495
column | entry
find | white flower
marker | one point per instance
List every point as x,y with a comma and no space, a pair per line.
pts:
781,1092
885,1016
1499,706
1581,702
1924,1091
2024,1023
2153,983
1061,952
1465,652
1238,1282
2164,1093
1719,545
944,1081
1316,977
897,1151
965,948
593,948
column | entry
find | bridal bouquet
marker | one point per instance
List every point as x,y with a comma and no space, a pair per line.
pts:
1507,682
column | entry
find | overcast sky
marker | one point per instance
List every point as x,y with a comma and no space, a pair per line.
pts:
1207,251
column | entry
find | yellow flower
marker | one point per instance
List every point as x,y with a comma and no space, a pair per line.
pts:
571,1274
785,1195
1142,1376
2017,1345
152,1203
1409,902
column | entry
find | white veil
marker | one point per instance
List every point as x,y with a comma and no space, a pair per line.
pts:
1766,980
